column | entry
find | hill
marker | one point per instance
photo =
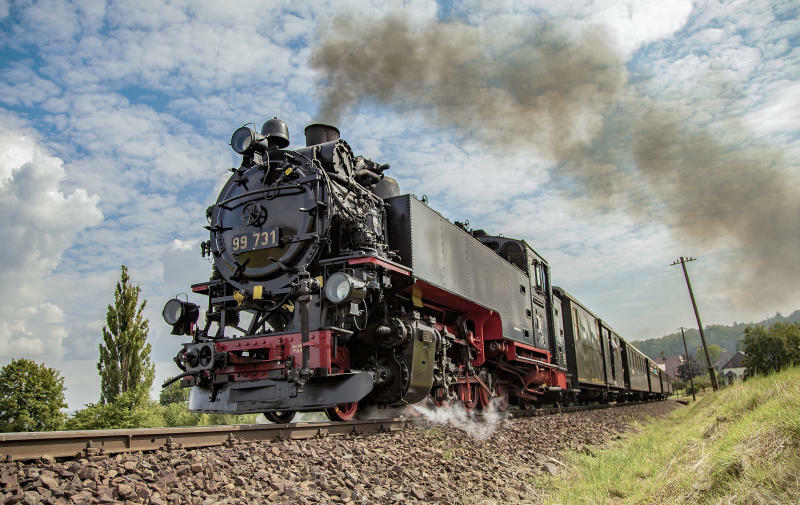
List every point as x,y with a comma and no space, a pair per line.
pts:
727,337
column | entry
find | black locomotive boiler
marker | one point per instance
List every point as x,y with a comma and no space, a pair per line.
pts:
331,291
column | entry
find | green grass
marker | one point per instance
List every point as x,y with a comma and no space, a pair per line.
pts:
740,445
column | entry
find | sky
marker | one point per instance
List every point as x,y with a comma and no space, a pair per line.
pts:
614,136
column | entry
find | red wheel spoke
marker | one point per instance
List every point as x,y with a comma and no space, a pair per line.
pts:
342,412
484,399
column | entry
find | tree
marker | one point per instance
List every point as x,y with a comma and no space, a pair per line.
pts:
124,363
131,409
701,383
174,393
688,369
31,397
714,352
769,350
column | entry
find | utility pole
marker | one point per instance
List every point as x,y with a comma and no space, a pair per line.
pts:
711,374
688,364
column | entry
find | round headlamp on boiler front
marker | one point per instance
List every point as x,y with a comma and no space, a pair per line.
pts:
181,315
341,287
243,140
173,311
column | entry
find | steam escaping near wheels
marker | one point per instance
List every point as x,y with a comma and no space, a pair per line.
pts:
479,425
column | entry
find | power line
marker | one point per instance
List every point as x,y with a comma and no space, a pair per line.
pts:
711,374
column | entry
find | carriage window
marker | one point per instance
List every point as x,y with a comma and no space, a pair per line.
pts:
586,329
576,324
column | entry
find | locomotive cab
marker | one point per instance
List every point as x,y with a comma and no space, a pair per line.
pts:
520,254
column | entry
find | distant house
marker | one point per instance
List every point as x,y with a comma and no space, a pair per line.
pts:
734,370
723,359
670,364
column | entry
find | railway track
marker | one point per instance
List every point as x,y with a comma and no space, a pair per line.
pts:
102,443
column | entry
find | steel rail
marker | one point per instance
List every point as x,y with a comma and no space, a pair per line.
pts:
566,409
103,443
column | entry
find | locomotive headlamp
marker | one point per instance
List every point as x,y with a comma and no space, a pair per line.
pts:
181,316
173,310
242,140
246,140
340,287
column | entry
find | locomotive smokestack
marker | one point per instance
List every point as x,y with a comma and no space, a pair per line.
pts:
319,133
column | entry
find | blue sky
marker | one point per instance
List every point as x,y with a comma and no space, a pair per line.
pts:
115,119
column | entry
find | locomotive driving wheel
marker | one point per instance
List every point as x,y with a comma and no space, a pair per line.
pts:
484,399
281,417
501,400
342,412
498,403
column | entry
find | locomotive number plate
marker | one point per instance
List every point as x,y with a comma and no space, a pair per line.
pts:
270,237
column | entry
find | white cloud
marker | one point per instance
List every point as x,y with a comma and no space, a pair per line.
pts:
183,264
631,23
21,86
39,223
48,21
728,59
780,111
636,23
128,148
170,48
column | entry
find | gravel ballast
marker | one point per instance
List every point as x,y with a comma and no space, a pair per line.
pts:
436,464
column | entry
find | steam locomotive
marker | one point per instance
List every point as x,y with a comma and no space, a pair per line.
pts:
333,291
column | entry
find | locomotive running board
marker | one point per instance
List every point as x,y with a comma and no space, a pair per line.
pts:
274,395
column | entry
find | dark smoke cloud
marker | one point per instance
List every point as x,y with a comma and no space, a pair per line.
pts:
534,92
569,98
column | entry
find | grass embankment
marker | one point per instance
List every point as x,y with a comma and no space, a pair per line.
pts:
739,445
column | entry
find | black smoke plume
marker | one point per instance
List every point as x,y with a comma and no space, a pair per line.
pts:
569,97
